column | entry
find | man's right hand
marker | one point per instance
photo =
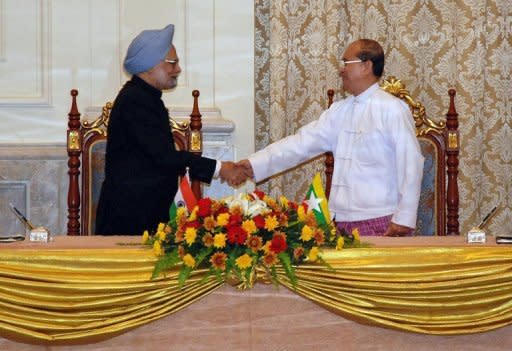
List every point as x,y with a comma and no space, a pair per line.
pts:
232,173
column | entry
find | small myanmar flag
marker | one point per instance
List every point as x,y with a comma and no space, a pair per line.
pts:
184,197
317,202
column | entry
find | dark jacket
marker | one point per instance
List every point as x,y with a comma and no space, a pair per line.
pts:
142,164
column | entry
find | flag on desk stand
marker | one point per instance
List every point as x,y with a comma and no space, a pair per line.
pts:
184,198
317,201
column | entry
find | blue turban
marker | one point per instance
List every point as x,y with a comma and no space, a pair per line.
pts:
148,49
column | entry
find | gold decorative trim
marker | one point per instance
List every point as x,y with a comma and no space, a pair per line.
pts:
423,124
100,124
195,141
181,126
74,140
453,140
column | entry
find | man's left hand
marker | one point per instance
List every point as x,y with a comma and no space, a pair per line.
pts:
397,230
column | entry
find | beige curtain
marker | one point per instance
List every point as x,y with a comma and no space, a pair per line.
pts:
431,45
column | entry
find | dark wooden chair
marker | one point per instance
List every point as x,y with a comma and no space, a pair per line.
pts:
438,210
86,146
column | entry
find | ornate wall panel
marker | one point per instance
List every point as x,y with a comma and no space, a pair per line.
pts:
24,53
431,45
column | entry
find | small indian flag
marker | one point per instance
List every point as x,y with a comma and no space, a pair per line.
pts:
317,202
184,198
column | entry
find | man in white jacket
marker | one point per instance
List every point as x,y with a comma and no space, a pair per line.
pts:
378,163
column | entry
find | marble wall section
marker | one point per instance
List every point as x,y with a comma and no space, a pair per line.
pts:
35,179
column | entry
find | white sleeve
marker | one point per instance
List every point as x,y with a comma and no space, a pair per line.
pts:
310,140
409,166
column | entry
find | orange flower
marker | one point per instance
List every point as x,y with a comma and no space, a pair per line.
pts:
209,223
254,242
179,236
218,260
181,251
319,237
298,252
208,240
283,220
270,259
236,211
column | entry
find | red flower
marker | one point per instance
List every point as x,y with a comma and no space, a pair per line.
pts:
236,235
278,243
205,207
222,209
235,219
193,224
259,221
259,193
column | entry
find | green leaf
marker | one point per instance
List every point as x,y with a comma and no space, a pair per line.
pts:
202,255
166,262
184,274
288,268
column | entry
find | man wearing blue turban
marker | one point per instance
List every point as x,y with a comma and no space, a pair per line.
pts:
142,164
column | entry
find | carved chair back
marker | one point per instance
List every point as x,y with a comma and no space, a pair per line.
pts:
86,147
438,210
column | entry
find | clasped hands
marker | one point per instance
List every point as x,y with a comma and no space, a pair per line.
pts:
235,174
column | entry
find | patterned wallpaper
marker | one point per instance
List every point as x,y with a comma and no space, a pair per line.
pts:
430,45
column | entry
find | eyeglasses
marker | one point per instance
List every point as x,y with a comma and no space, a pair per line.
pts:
172,61
344,63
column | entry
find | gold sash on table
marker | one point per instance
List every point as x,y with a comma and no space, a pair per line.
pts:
66,296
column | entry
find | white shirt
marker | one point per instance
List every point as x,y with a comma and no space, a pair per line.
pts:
378,163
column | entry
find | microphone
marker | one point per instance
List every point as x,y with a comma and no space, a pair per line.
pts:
21,217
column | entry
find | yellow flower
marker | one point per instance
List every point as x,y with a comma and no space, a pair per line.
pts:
355,233
313,253
306,234
219,241
271,222
193,215
181,212
340,243
301,213
189,261
161,227
266,247
284,201
244,261
161,235
145,236
190,235
157,248
333,231
223,219
249,226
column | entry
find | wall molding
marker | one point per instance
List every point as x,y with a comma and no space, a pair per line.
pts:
41,97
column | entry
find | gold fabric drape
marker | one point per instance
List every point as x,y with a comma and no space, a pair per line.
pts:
430,45
70,296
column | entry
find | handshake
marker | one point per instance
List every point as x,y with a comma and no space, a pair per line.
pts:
235,174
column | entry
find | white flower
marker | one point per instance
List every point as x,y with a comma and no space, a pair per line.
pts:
250,207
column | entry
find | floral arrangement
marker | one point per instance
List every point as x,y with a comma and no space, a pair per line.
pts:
234,236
